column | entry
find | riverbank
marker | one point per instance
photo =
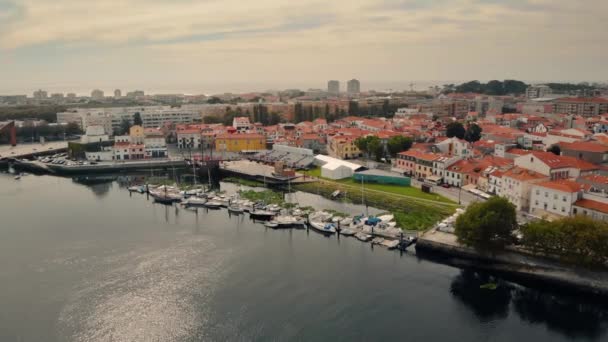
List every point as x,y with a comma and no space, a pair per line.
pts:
522,266
411,213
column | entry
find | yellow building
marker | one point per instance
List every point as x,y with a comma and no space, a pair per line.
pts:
342,147
239,142
137,135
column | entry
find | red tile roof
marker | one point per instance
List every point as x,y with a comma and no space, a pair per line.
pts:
560,162
592,205
564,185
523,174
420,155
598,179
584,146
240,136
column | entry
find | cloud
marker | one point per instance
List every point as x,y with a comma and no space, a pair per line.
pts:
440,39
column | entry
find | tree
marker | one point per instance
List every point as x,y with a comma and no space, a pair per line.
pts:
555,149
494,87
125,125
375,147
72,128
473,133
214,100
514,87
577,239
361,143
455,129
487,226
212,119
398,144
137,119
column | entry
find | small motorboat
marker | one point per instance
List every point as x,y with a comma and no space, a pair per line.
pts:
346,222
390,244
213,204
136,188
377,240
363,237
271,224
195,201
347,232
163,199
235,209
262,214
273,207
17,177
325,228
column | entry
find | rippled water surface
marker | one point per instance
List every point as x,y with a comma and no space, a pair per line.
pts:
94,263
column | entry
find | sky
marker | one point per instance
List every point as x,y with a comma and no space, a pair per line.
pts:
204,46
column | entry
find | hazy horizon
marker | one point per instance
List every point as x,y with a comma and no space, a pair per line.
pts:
240,88
216,46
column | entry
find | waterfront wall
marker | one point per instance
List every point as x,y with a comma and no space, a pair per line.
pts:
523,268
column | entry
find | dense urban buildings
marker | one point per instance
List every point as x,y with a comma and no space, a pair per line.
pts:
333,87
353,87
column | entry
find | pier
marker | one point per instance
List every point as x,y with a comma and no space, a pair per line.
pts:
102,167
260,172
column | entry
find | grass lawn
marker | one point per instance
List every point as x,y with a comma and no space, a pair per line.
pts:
394,189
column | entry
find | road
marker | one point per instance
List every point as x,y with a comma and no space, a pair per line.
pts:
453,193
8,151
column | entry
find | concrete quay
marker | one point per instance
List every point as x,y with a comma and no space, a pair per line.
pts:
514,264
30,150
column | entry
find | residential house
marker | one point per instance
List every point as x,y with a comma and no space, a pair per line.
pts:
240,142
554,166
241,124
585,150
516,185
343,147
555,197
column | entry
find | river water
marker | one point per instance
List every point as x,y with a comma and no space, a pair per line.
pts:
94,263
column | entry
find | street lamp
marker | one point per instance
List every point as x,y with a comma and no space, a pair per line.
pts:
459,194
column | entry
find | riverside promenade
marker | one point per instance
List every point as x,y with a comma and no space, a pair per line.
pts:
515,262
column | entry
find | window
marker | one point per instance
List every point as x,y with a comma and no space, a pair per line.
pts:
546,194
564,198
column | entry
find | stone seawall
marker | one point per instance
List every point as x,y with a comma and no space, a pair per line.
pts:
516,266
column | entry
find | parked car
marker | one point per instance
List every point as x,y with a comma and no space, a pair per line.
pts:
446,185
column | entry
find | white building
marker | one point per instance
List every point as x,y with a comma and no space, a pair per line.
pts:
105,155
94,134
554,197
554,166
537,91
189,139
152,116
454,147
516,185
334,168
155,144
241,124
441,164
